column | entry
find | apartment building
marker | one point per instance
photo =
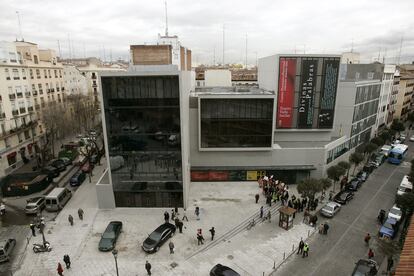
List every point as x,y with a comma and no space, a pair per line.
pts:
405,92
393,97
388,72
30,78
75,81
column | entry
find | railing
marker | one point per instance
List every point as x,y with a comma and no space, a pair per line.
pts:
34,93
22,110
19,95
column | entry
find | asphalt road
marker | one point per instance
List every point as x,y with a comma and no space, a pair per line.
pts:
337,252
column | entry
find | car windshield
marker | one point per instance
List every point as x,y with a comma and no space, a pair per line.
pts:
155,236
30,206
108,235
328,208
388,225
395,211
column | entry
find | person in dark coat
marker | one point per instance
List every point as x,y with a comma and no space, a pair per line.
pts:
66,259
176,221
256,197
166,216
148,267
325,228
180,226
300,247
32,227
200,238
70,219
213,232
261,212
60,269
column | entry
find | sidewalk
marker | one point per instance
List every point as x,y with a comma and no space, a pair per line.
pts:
223,205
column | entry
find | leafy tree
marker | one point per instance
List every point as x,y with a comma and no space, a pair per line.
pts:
406,203
360,148
356,158
378,141
309,187
410,117
370,148
397,126
326,183
345,165
386,135
334,173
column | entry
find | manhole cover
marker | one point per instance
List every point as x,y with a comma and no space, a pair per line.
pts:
230,257
174,265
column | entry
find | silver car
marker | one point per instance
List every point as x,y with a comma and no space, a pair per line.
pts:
35,205
330,209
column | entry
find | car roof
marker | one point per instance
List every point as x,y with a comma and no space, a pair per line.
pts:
332,204
391,220
34,199
164,226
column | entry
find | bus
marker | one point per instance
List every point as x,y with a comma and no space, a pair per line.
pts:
397,154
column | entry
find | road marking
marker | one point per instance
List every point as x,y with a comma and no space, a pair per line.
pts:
351,226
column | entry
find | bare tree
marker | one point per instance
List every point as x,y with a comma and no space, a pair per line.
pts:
53,117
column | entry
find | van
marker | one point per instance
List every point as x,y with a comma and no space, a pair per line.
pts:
405,186
6,248
57,198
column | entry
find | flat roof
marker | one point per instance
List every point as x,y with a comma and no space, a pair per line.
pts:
234,90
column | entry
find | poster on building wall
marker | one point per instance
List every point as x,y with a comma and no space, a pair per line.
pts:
199,176
307,91
218,175
328,93
286,91
251,175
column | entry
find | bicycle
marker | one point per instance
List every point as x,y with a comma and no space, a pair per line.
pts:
251,224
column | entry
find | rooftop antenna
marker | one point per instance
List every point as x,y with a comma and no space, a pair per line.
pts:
166,19
399,54
223,42
20,26
60,52
245,64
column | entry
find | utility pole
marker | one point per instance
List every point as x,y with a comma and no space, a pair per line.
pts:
166,19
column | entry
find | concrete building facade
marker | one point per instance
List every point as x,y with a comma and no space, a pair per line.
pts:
75,81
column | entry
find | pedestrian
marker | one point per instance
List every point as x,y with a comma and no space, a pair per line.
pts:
80,213
269,200
197,212
200,238
256,197
66,259
184,215
370,254
180,226
171,246
213,232
300,247
305,250
176,221
390,263
325,228
261,212
32,227
269,215
320,229
42,225
70,219
166,216
60,269
367,238
148,267
176,211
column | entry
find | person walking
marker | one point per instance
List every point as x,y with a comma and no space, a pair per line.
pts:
320,229
269,215
32,227
171,246
70,219
180,226
176,221
172,214
166,217
300,247
256,197
60,269
80,213
213,232
261,212
66,259
325,228
197,212
370,254
367,238
184,215
390,263
148,267
305,250
200,238
176,211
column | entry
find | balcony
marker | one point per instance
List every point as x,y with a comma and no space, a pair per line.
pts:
19,95
12,97
53,90
15,112
27,94
57,89
34,92
48,91
37,106
22,110
19,129
30,109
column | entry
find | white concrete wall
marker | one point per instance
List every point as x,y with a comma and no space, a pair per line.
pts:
267,74
104,192
217,78
344,108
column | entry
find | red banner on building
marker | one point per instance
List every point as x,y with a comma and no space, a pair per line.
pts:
199,176
287,74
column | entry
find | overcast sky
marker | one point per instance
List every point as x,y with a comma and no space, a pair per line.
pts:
272,26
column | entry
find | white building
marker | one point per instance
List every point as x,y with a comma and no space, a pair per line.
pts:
350,58
75,81
385,96
217,78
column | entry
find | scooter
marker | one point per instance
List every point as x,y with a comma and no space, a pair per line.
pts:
37,248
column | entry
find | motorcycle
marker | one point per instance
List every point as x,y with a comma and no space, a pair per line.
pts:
37,248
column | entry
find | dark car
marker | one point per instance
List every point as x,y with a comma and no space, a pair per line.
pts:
67,161
365,268
343,197
77,178
377,159
158,237
51,171
222,270
58,164
362,176
109,237
353,185
389,228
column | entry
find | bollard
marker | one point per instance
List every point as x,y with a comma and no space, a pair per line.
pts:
293,247
308,233
274,264
284,255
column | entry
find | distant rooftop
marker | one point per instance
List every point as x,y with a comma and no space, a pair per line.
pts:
234,90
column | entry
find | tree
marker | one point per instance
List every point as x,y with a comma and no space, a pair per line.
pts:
356,158
397,126
88,150
410,117
378,141
326,183
309,187
55,123
334,173
345,165
406,203
386,135
370,148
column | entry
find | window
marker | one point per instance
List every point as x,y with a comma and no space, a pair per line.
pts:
12,57
40,89
38,73
60,73
55,73
7,72
48,72
45,73
31,73
24,74
36,61
16,75
19,92
11,158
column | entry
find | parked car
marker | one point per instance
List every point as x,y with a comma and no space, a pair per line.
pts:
365,268
344,197
87,167
402,138
353,185
58,164
330,209
110,236
66,161
388,229
51,171
395,213
377,159
385,149
369,168
158,237
6,248
412,138
222,270
362,176
34,205
77,179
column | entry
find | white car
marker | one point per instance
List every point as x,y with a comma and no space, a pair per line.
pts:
385,149
395,213
412,138
330,209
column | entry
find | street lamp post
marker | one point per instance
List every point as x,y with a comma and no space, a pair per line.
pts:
115,253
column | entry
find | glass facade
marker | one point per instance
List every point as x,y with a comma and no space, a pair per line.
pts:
142,115
236,123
